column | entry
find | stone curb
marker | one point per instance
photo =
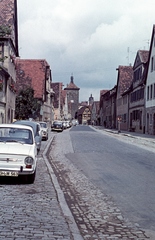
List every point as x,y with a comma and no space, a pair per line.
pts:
61,199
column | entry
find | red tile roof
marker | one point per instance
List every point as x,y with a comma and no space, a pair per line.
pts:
125,77
6,12
102,92
82,109
32,73
144,54
8,17
71,85
83,103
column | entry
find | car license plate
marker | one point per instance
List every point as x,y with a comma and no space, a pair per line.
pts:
8,174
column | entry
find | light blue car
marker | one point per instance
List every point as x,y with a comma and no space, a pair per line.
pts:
36,129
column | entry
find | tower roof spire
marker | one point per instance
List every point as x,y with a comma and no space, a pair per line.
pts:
71,85
72,78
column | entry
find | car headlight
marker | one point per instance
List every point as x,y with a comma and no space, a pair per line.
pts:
29,161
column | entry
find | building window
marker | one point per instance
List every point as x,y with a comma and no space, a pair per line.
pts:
124,118
148,93
150,118
152,64
151,91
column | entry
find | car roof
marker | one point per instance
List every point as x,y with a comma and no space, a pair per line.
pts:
10,125
27,123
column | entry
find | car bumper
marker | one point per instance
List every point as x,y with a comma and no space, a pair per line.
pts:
44,136
16,171
57,129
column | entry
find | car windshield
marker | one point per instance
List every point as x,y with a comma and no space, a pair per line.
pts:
57,122
43,125
8,134
28,123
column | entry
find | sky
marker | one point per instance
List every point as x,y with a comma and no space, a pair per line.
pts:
88,39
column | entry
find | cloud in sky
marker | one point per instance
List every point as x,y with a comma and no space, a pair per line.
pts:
87,38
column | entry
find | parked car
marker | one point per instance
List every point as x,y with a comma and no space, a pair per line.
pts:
44,130
18,152
36,129
75,122
64,124
68,123
57,126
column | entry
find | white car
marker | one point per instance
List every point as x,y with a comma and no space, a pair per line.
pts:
36,130
18,152
44,130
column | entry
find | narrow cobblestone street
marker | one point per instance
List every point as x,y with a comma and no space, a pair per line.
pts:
95,213
55,210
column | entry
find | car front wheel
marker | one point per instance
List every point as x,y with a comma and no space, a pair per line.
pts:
29,179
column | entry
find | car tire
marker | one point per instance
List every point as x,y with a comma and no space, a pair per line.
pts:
29,179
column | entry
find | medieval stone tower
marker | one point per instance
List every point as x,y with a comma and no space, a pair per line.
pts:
72,98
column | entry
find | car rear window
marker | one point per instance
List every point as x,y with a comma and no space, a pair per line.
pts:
16,134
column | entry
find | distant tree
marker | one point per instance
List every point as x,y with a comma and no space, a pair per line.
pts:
26,105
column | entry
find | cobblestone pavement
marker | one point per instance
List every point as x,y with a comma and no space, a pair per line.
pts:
95,213
32,211
39,211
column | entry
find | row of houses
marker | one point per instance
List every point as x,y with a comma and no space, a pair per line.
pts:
130,104
18,74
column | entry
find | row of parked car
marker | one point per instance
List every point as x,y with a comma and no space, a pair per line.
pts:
20,143
59,126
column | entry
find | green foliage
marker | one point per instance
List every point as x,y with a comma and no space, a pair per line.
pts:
26,105
5,30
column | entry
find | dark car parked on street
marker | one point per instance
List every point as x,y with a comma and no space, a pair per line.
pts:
36,129
57,126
